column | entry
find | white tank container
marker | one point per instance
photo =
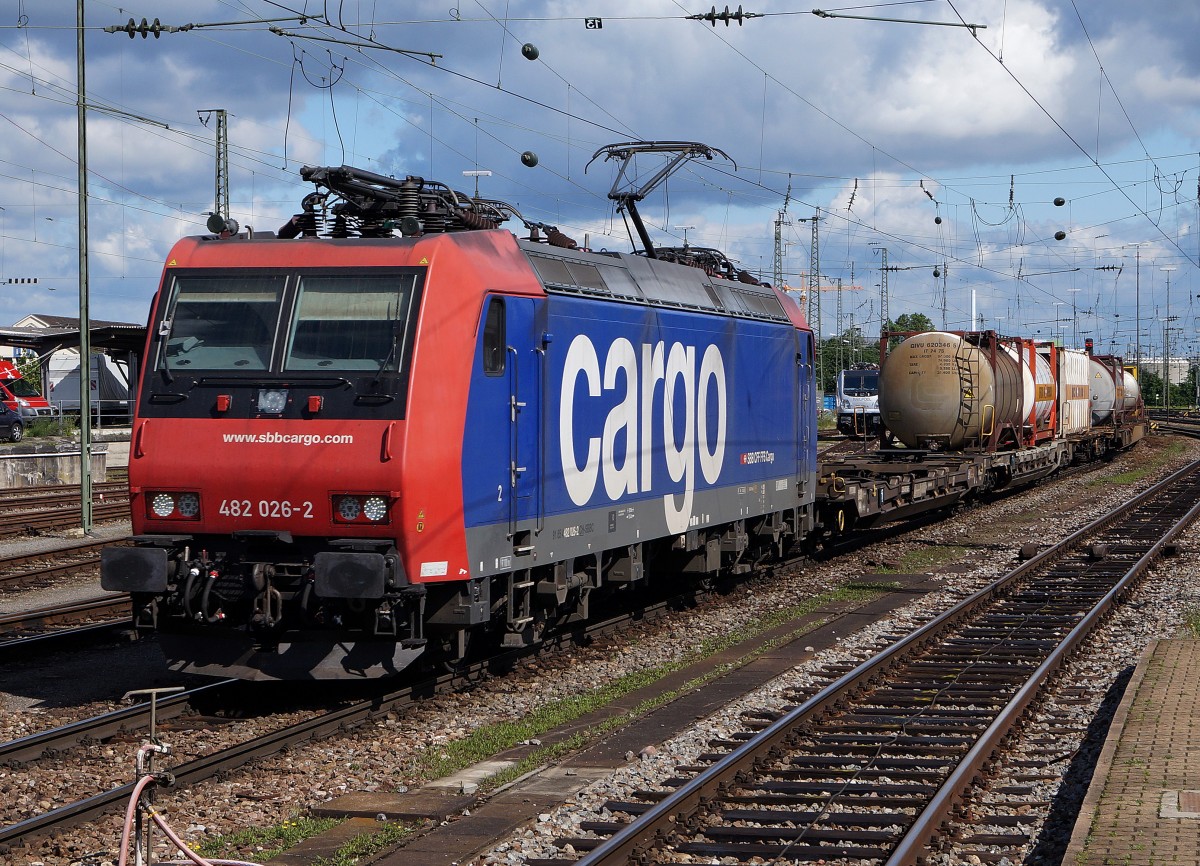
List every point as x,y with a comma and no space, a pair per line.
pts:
1074,392
1107,391
1133,392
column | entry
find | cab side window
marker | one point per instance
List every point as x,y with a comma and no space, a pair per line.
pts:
494,343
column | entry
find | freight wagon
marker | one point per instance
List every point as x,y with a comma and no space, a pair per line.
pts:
965,413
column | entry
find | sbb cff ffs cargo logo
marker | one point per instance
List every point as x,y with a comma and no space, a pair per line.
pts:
632,472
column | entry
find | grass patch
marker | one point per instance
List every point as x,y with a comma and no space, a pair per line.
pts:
367,845
63,426
260,844
1191,622
1149,466
925,559
484,743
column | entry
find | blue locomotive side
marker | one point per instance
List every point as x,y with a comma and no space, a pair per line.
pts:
600,424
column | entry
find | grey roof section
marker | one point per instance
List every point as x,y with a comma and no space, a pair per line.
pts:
62,332
638,279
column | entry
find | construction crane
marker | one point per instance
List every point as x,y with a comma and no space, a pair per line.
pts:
839,287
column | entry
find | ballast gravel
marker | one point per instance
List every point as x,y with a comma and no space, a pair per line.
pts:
384,756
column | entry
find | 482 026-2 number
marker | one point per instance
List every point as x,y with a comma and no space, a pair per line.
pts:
266,508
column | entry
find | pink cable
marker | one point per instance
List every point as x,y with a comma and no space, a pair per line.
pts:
160,822
188,852
179,843
130,812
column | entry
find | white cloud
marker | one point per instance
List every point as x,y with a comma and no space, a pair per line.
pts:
824,101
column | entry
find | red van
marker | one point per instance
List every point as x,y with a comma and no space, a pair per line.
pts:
18,394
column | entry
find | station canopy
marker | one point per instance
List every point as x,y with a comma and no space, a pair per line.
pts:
47,334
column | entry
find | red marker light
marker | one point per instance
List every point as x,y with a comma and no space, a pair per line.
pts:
314,403
223,401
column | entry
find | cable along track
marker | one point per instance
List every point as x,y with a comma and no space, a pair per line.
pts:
871,768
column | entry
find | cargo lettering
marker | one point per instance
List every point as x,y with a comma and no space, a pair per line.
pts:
673,370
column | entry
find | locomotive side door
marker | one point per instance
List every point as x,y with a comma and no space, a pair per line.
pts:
526,362
806,423
806,360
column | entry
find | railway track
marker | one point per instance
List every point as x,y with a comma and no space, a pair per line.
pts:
24,648
54,495
49,743
873,765
34,509
79,610
46,566
59,518
31,568
203,768
219,762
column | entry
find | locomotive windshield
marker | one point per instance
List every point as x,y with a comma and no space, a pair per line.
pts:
225,322
349,323
277,322
860,383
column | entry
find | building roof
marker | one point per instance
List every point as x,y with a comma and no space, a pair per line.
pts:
45,334
41,320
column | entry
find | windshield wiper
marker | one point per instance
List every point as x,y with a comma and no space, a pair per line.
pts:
390,355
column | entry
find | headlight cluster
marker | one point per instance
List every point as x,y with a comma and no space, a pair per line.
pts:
360,508
173,505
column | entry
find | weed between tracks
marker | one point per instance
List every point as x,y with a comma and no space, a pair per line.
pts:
262,844
925,559
1153,462
486,742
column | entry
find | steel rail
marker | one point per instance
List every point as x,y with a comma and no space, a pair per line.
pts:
59,492
627,844
9,564
316,728
916,841
14,524
100,727
70,611
19,648
207,766
9,579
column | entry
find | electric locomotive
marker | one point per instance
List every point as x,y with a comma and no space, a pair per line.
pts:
355,449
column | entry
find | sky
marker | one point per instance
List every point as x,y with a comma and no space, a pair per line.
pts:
1036,172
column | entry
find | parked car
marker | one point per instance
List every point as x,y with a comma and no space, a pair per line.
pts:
17,393
12,427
